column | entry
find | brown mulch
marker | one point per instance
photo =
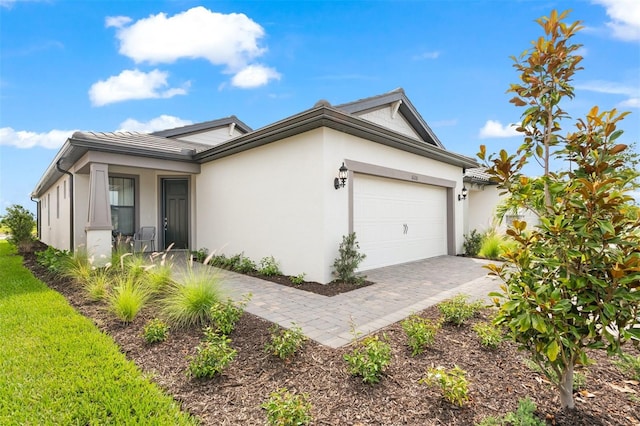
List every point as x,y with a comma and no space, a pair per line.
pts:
498,378
333,289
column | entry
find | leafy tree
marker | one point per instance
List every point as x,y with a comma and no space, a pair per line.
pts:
20,223
573,282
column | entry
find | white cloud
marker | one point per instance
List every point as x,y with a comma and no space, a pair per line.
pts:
427,55
630,103
133,84
612,88
117,21
25,139
162,122
625,18
494,129
222,39
254,76
9,3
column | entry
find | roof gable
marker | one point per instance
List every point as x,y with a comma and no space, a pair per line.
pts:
393,110
211,133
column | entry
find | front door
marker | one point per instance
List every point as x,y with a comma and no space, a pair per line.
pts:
175,213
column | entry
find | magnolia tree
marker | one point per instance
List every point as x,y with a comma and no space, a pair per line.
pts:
573,282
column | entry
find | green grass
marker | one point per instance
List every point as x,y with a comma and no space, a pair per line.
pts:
58,368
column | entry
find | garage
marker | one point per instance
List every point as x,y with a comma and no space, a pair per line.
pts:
398,221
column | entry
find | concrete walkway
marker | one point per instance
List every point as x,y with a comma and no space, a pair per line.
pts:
398,292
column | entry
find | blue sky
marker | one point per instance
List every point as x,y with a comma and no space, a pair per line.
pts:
150,65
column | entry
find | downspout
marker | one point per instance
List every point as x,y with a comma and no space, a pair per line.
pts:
72,224
38,231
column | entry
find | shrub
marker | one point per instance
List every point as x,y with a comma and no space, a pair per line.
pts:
285,408
20,223
200,255
349,258
53,259
490,335
524,416
245,265
472,243
629,365
159,278
369,359
189,303
212,355
285,342
457,310
453,383
225,315
127,298
269,266
155,331
421,333
297,279
494,246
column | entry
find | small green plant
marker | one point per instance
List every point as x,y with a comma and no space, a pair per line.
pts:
224,316
494,245
213,354
189,303
297,279
78,267
127,298
472,243
285,342
53,259
245,265
524,416
629,365
285,408
453,383
420,332
155,331
20,223
457,310
349,258
200,255
98,284
159,278
369,358
269,266
490,336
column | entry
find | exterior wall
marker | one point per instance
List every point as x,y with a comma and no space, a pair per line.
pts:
480,206
81,214
384,118
267,201
55,215
279,199
212,137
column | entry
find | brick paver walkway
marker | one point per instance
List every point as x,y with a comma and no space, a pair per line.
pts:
398,292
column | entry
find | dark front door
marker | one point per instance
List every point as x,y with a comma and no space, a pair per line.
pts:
175,212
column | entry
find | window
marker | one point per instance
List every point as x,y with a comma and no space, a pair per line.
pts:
122,199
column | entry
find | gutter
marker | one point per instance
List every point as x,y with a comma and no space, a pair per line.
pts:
38,230
72,242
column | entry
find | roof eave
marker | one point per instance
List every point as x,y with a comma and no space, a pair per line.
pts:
337,120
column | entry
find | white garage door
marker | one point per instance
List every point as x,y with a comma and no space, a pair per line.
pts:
397,221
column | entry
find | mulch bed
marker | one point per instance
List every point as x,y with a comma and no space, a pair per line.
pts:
333,289
498,378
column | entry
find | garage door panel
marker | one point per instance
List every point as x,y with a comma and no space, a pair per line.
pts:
397,221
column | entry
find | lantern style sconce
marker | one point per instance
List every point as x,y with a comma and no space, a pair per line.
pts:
341,180
463,196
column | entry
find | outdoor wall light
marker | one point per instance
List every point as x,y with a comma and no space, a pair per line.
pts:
463,196
341,180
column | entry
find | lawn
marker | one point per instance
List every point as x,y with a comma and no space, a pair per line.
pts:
58,368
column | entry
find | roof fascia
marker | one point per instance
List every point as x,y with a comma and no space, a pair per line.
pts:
203,127
330,117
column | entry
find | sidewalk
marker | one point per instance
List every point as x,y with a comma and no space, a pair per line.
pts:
399,291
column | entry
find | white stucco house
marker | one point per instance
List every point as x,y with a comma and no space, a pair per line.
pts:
268,192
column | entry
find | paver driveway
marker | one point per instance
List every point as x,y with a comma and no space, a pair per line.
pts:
398,292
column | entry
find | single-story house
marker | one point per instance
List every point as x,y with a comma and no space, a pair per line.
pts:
291,189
